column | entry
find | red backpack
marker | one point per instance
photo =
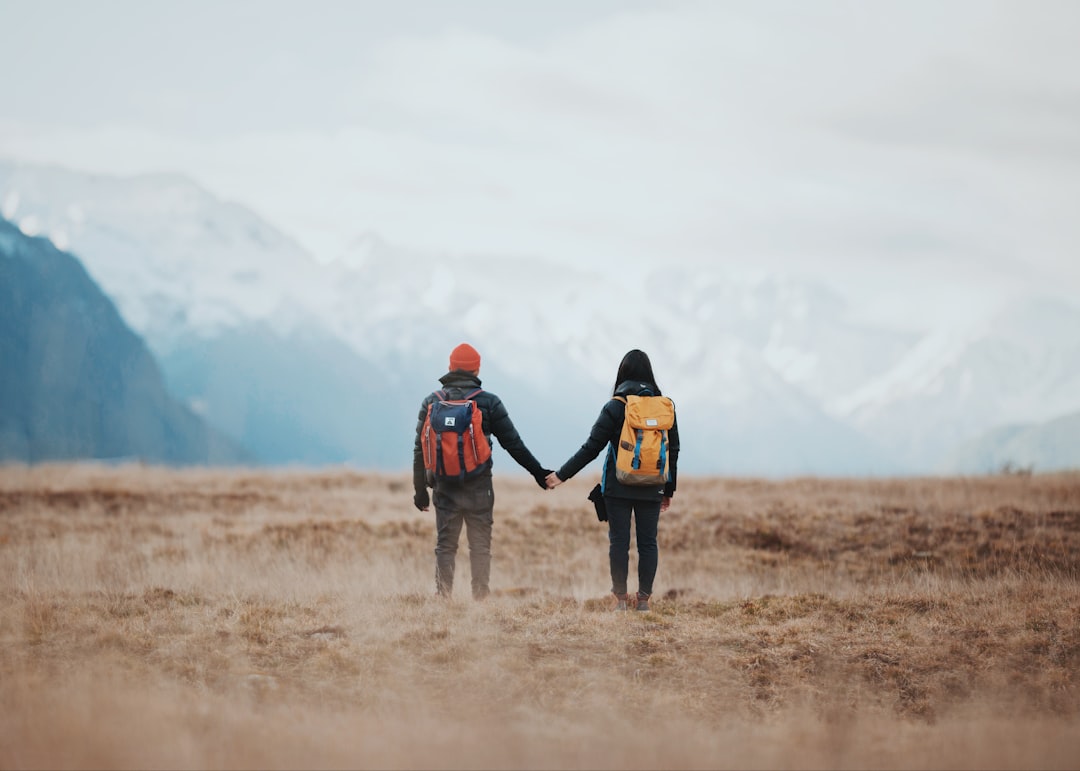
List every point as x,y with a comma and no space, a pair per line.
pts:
453,439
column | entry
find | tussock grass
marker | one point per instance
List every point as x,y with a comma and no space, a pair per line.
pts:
196,618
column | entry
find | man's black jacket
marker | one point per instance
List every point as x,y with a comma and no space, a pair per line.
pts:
496,421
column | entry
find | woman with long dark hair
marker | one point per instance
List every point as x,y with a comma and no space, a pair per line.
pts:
626,500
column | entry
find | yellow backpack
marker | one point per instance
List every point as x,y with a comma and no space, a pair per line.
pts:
642,456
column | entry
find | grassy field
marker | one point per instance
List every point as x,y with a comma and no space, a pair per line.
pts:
208,619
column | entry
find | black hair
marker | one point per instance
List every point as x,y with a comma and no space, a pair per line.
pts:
635,365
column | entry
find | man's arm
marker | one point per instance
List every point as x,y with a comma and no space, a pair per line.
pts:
421,499
510,440
605,429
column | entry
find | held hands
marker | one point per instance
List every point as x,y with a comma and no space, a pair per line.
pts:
541,477
553,481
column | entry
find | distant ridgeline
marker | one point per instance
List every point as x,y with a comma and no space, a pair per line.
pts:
75,381
310,362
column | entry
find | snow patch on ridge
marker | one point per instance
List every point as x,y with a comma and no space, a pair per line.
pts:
10,205
920,371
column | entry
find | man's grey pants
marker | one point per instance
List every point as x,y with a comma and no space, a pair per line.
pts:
470,503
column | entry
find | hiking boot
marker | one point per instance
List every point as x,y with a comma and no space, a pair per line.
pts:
620,601
642,601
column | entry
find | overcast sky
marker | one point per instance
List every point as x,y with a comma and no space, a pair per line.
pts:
934,142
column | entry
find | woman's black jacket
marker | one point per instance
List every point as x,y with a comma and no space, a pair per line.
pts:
605,435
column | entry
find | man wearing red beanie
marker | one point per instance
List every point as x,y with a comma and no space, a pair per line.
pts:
465,357
470,501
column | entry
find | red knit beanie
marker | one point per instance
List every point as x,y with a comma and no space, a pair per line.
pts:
465,357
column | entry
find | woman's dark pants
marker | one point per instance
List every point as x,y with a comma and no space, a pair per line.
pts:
646,515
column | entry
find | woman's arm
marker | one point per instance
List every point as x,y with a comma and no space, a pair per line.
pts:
605,429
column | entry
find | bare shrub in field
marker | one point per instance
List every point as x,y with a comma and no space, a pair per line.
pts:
246,619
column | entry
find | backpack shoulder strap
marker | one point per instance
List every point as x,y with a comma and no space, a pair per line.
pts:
619,399
475,393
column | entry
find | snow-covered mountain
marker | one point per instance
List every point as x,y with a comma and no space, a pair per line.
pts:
563,331
1049,446
1020,366
288,354
175,259
804,332
75,381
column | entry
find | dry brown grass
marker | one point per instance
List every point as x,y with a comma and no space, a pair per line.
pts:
193,619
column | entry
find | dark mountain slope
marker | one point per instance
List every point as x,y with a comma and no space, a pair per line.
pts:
75,381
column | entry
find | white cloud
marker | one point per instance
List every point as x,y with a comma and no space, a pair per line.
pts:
933,143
